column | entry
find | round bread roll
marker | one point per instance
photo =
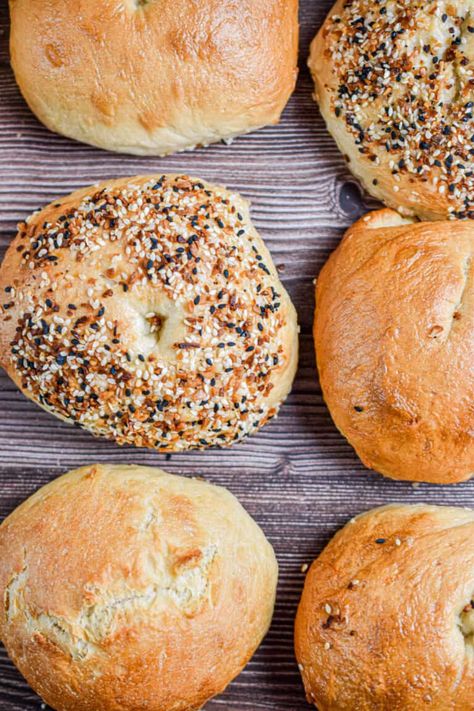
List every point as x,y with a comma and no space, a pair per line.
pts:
394,82
386,619
394,335
127,588
148,310
152,76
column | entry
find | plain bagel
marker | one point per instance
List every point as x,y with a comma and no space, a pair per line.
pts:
386,618
394,336
124,587
152,76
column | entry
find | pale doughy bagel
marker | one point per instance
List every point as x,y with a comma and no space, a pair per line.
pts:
395,84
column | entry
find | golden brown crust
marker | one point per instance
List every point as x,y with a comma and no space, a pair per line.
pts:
386,619
148,310
154,77
125,588
394,82
394,335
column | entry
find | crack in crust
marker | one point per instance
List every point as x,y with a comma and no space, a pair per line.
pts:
187,586
13,592
465,289
466,623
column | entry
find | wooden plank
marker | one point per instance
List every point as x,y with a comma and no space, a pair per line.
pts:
297,477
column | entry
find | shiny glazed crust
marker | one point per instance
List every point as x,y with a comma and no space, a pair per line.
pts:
153,77
394,335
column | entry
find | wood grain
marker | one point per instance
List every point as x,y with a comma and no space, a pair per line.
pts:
298,477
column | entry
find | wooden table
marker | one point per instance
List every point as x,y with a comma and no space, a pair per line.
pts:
297,477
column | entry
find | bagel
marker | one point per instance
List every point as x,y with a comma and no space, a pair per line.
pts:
151,77
147,310
395,85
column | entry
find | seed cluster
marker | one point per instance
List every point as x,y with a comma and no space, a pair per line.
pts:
170,239
406,90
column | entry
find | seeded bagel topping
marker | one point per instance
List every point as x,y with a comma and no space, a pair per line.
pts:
405,90
149,315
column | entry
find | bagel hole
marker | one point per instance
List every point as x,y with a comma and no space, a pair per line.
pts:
156,324
466,623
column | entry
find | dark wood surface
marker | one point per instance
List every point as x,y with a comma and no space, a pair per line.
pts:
297,477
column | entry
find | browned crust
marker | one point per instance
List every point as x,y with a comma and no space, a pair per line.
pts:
394,336
155,77
386,618
123,587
